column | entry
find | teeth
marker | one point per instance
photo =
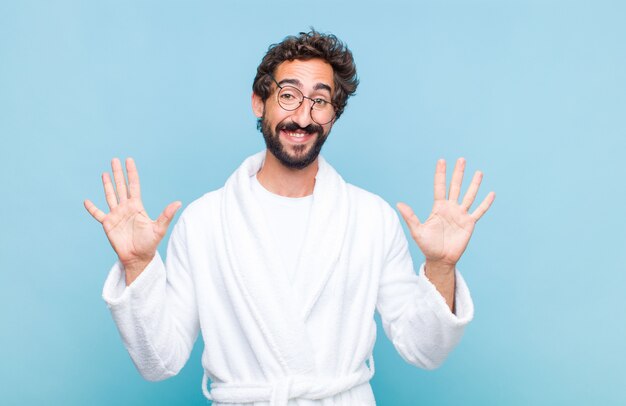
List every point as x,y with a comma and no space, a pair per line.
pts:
296,135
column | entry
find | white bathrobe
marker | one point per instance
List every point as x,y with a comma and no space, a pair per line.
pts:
269,340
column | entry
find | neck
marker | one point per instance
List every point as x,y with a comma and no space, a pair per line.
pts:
284,181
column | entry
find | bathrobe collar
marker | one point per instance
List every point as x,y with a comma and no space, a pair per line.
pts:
280,307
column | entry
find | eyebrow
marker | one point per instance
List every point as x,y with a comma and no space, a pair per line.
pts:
296,82
322,86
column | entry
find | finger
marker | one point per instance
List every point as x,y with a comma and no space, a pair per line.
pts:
166,217
134,190
484,206
120,181
109,191
408,215
94,211
472,191
440,180
457,180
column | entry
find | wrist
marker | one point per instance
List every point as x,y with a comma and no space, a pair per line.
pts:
432,268
443,276
133,269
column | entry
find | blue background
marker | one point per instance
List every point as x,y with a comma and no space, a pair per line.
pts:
531,92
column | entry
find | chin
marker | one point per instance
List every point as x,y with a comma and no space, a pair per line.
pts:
293,156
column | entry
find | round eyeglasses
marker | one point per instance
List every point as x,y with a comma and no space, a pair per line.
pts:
291,98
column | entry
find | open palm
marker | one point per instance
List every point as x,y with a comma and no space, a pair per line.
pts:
132,234
444,235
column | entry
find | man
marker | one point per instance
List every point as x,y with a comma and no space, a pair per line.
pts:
281,270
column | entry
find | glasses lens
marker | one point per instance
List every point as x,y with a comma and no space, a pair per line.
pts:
290,98
322,112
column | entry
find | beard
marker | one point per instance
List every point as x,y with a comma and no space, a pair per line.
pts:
299,158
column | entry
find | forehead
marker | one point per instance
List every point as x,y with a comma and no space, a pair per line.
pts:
308,72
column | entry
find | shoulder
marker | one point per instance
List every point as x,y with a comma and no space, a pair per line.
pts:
368,203
371,215
366,199
203,208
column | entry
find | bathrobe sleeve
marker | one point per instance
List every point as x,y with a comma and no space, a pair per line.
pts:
157,314
415,316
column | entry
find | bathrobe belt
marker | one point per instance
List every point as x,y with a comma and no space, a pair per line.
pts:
279,392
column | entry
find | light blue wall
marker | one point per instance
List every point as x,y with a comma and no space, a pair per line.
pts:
533,93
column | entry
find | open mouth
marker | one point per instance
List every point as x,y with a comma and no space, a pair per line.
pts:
298,136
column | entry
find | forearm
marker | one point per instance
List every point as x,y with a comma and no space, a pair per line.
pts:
157,330
442,276
418,320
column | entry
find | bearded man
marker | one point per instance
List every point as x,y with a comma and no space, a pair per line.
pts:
282,269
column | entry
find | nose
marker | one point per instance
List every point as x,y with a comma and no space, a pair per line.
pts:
302,115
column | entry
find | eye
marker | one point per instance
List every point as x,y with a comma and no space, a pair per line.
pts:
321,103
289,96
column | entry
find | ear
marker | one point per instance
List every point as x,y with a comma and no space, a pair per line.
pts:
258,106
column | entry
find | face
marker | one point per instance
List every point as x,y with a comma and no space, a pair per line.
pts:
292,136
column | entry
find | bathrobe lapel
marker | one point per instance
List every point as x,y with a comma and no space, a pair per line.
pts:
328,223
260,274
280,307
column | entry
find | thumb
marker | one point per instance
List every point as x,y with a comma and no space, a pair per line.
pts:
166,217
408,215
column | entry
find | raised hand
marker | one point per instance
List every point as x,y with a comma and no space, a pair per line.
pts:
445,234
131,232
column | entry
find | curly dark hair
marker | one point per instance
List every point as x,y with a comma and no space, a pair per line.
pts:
309,45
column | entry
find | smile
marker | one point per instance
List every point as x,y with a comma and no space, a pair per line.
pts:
297,136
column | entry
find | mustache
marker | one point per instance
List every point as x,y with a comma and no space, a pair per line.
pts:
309,129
